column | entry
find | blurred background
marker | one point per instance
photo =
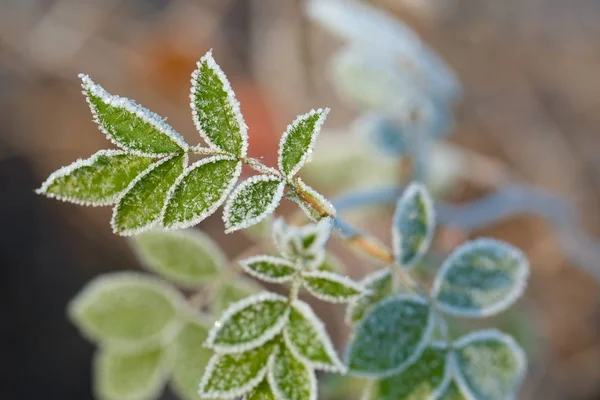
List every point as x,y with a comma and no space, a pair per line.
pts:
526,116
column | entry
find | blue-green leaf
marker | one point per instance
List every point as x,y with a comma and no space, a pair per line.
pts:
380,286
481,278
451,392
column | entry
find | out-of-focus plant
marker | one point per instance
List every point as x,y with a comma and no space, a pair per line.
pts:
267,345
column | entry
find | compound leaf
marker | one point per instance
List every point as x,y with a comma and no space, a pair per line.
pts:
215,110
332,287
413,225
391,336
187,257
126,310
269,268
199,191
298,141
380,286
140,206
131,126
97,181
290,378
249,323
252,201
481,278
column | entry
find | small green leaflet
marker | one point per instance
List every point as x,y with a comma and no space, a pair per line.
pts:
391,336
451,392
489,365
298,141
130,126
380,286
137,376
332,287
187,257
140,206
252,201
413,225
269,268
229,376
215,110
190,358
249,323
290,378
261,392
126,310
481,278
96,181
233,291
424,379
199,191
306,338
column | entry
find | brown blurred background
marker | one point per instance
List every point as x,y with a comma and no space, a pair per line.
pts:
531,106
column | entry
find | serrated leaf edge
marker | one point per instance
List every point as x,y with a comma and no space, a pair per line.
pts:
510,298
233,309
337,278
268,210
214,207
307,312
413,190
307,154
245,264
131,106
271,379
365,282
235,104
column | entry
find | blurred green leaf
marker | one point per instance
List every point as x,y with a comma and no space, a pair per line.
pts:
380,286
290,378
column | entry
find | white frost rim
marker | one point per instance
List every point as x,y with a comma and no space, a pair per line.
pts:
336,278
276,261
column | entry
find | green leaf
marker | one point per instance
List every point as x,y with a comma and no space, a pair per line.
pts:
190,358
390,337
451,392
199,191
298,141
413,226
424,379
262,392
140,206
269,268
216,111
126,310
380,286
96,181
307,339
489,365
252,201
125,376
187,257
290,378
228,376
249,323
480,279
130,126
233,291
331,287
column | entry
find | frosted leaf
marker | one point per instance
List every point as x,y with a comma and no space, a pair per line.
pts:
262,392
315,197
315,236
199,191
215,110
96,181
413,225
139,208
130,126
391,336
331,263
187,257
423,379
380,285
131,376
303,245
332,287
252,201
481,278
233,291
451,391
189,358
269,268
307,339
298,141
228,376
249,323
290,378
126,310
489,365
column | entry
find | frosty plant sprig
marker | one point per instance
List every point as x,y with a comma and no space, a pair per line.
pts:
265,345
